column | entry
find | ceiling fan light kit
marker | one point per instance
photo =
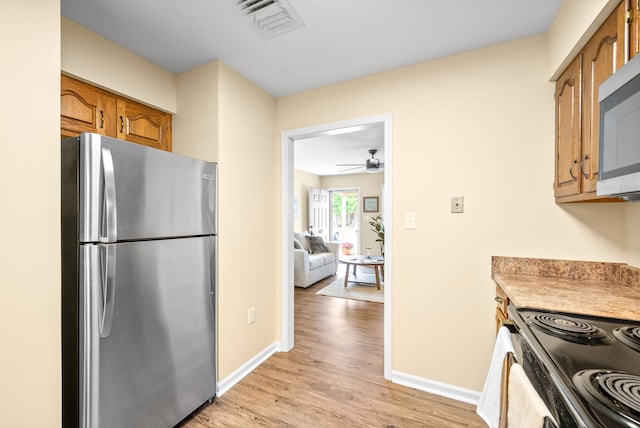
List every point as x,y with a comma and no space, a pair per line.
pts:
373,165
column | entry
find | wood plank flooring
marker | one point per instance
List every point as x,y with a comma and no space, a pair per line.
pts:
332,378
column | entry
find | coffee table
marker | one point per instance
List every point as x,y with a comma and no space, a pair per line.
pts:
377,263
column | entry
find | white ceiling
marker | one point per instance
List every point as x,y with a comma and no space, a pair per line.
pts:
320,154
340,39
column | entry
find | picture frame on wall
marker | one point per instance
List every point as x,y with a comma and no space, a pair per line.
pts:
370,204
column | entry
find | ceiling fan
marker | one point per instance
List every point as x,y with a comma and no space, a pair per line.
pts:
372,165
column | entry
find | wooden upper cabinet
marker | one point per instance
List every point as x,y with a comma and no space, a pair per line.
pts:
86,108
602,56
83,109
143,125
568,115
578,110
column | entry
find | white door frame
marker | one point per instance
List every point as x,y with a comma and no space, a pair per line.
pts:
286,250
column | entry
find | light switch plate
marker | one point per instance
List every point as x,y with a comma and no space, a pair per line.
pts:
457,204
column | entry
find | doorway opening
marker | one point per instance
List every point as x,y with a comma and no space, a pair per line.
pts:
287,207
343,217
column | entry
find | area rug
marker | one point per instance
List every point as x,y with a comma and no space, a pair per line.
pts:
354,291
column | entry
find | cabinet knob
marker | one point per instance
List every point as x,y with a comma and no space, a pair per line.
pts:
499,299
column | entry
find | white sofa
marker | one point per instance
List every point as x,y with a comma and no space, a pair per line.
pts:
310,268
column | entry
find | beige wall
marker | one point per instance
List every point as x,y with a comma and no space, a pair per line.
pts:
370,185
478,125
195,127
93,58
632,233
247,237
30,371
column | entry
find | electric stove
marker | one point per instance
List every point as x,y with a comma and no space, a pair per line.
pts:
585,368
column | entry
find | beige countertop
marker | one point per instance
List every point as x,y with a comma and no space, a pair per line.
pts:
589,288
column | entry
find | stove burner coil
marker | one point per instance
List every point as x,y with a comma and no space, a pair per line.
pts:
630,336
568,328
619,392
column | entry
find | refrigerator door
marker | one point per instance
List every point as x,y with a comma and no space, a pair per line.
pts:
132,192
148,348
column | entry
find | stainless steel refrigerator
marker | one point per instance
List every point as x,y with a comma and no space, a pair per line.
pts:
139,230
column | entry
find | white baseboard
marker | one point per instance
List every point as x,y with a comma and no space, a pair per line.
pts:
435,387
235,377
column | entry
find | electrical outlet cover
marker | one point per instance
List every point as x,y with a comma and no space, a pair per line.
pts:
457,204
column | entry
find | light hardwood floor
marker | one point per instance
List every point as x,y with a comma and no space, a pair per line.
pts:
333,377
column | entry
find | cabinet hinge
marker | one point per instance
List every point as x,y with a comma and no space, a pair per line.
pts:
629,15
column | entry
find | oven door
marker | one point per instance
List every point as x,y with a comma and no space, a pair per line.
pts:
536,367
508,351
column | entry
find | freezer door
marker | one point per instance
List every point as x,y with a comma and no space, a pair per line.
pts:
131,192
149,342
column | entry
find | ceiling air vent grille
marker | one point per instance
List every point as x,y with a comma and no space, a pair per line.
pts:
269,18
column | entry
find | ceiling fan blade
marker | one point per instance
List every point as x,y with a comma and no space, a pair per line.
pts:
350,164
351,169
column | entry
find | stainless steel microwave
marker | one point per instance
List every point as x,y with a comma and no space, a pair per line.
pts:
619,98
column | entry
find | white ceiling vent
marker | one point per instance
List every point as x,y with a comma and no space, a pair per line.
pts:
269,18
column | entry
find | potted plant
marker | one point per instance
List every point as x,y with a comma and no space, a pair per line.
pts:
346,247
378,228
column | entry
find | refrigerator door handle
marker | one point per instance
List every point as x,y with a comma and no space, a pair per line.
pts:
109,231
108,289
91,257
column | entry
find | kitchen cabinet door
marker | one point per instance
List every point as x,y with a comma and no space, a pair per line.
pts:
143,125
578,110
629,25
87,108
600,60
84,109
568,121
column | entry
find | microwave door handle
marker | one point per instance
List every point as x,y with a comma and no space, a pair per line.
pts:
108,289
109,231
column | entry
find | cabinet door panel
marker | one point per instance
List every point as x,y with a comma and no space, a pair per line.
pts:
143,125
80,108
568,130
84,108
599,62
